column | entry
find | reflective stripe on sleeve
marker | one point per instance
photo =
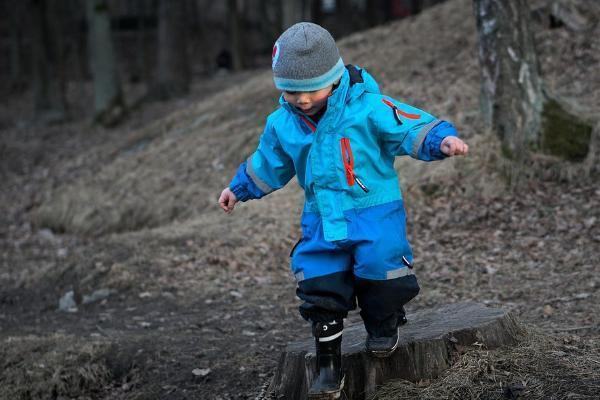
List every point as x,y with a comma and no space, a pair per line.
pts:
421,137
262,185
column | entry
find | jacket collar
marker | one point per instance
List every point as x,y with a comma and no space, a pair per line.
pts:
338,96
368,85
345,92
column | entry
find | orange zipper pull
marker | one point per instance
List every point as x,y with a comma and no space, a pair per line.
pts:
348,159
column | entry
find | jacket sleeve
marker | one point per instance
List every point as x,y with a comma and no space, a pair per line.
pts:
269,168
406,130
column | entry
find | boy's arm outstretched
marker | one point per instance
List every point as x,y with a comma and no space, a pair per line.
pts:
269,168
407,130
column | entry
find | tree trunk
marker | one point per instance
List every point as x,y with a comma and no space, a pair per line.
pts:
428,344
109,107
234,34
17,79
307,10
173,72
48,63
291,12
378,12
513,100
141,60
345,18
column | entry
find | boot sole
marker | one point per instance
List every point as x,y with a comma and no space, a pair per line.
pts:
328,395
386,353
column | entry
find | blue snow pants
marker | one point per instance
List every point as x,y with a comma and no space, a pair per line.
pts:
372,266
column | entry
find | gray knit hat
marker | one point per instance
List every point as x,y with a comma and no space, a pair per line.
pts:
306,58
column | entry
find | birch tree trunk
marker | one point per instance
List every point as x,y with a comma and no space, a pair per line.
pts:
173,73
48,63
513,100
109,107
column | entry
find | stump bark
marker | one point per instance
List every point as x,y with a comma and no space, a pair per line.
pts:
428,343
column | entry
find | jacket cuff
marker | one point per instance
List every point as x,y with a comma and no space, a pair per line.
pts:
240,192
430,149
243,186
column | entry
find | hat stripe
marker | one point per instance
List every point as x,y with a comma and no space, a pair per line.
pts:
319,82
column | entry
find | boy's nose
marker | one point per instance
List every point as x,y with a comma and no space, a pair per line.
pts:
303,99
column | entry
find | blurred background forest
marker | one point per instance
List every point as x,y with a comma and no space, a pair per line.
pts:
122,120
52,47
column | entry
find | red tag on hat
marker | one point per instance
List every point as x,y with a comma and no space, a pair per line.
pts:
275,55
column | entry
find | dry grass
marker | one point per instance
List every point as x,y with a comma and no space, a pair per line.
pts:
540,367
61,366
52,367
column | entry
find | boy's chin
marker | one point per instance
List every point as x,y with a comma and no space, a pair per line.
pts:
312,112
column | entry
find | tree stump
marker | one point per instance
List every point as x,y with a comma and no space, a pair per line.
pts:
427,344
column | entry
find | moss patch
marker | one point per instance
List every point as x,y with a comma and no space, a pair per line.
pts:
563,134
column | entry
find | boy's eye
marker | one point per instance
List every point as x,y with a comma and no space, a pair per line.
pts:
290,92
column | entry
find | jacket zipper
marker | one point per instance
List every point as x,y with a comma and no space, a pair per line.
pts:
348,159
308,123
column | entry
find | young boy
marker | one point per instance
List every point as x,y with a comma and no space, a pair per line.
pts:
339,135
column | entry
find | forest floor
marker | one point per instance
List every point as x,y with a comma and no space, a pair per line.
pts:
176,300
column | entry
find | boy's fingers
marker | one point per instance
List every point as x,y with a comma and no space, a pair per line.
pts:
224,202
447,148
451,148
231,204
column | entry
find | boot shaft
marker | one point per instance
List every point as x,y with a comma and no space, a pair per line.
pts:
328,342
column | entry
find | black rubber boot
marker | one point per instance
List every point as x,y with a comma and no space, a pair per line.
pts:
328,341
385,345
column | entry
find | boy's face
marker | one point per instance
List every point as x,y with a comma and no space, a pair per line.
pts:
309,103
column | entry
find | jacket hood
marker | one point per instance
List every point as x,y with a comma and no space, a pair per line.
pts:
357,87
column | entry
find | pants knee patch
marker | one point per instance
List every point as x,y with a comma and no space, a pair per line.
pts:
327,297
382,301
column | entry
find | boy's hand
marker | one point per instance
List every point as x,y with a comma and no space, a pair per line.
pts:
227,200
453,146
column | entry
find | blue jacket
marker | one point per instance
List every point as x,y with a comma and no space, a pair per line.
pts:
346,160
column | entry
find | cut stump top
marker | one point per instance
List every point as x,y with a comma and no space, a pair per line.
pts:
426,345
